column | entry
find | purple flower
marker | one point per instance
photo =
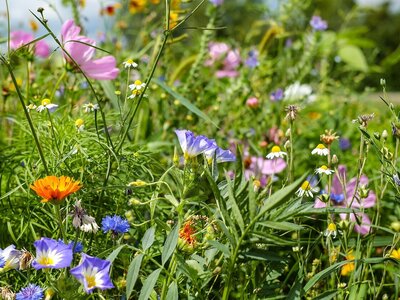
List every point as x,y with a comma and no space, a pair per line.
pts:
318,24
9,258
262,168
52,254
78,247
192,145
276,95
220,154
217,2
115,224
344,143
230,64
19,38
344,198
103,68
92,272
31,292
252,59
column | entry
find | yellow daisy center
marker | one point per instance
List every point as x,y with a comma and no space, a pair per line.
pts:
46,101
275,149
321,146
137,82
129,61
79,122
306,186
325,168
45,261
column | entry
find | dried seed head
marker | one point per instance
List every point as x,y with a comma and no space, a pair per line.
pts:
291,112
328,137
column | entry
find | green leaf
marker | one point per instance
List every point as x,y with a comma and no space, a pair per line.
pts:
109,90
221,247
173,291
353,57
148,238
233,205
115,253
133,272
324,273
170,244
185,102
149,284
281,196
328,295
286,226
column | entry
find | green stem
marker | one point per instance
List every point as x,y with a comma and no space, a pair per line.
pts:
28,117
57,209
167,281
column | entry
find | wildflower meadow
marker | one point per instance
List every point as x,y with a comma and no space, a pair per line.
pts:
199,149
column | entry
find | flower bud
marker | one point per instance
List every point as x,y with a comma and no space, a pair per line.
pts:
335,159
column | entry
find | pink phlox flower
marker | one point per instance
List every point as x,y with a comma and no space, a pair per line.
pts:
349,197
20,38
78,47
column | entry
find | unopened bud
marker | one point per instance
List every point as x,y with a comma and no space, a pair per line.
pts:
287,133
377,135
383,82
287,145
385,134
395,226
175,159
40,10
335,159
324,198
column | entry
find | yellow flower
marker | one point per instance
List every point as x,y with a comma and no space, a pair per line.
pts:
136,6
395,254
54,189
34,26
349,267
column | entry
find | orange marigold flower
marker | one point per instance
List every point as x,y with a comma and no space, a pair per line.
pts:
187,233
54,189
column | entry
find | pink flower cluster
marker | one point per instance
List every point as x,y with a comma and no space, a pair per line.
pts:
20,38
78,47
229,58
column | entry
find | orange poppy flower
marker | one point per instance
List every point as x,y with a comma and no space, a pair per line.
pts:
54,189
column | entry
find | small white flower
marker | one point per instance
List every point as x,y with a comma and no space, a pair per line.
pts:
31,107
324,170
46,104
276,153
331,230
90,107
80,125
129,63
137,88
320,150
306,189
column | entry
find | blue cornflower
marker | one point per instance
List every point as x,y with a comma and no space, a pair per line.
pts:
318,24
78,247
31,292
344,144
276,95
115,224
252,59
193,145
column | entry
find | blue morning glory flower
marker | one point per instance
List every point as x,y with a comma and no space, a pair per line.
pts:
52,254
115,224
276,95
252,59
31,292
192,145
92,272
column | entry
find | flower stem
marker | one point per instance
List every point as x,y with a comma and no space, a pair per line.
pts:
57,210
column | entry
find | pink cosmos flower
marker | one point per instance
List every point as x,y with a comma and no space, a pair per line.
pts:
102,69
19,38
262,168
343,198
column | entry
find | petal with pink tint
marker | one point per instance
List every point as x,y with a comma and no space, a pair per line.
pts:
319,204
102,69
273,166
79,51
19,38
42,49
362,218
69,31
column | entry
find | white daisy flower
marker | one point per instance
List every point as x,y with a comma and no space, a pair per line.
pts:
46,104
306,189
275,153
320,150
129,63
324,170
80,125
137,88
90,107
